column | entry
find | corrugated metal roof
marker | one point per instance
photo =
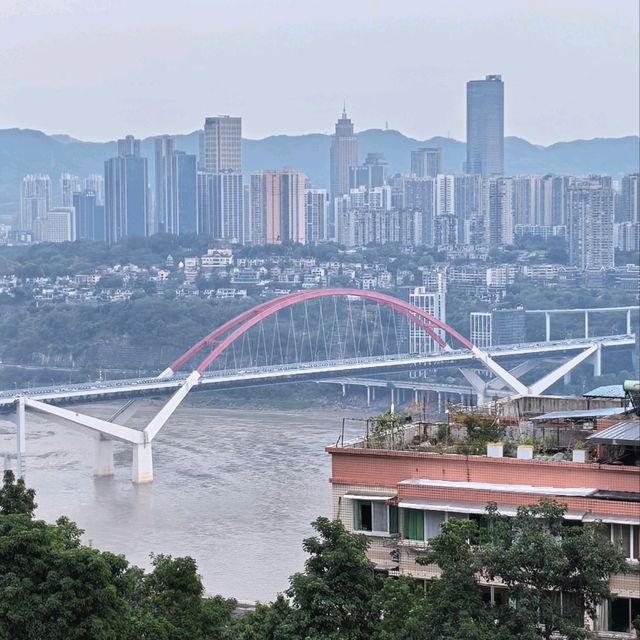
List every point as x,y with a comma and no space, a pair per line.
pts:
583,413
621,433
606,391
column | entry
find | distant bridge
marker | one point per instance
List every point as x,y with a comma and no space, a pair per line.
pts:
221,341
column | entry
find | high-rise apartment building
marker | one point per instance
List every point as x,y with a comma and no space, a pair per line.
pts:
95,183
630,198
89,216
316,219
69,184
485,126
128,146
175,193
182,216
433,302
35,199
498,212
221,145
590,226
343,155
278,206
221,210
426,162
164,148
445,195
126,192
57,226
371,174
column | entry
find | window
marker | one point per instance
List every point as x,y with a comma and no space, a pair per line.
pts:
627,538
375,516
620,613
413,524
423,525
569,606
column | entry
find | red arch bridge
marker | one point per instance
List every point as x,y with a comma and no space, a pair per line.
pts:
368,333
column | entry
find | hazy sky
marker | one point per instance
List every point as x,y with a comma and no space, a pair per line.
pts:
98,69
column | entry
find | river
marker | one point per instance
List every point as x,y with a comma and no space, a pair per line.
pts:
236,489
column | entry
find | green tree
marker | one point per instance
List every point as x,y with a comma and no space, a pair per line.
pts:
15,498
544,561
454,608
53,587
332,599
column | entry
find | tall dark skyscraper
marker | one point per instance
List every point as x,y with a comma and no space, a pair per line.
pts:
126,189
485,126
343,155
89,216
164,148
175,193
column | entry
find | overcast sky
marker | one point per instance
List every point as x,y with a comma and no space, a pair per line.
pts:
98,69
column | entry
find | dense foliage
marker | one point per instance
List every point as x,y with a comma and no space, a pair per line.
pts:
54,587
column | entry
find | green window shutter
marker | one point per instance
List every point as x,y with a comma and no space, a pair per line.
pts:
414,524
357,519
393,519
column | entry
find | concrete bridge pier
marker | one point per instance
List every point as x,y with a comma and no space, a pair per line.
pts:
103,457
142,467
20,419
597,361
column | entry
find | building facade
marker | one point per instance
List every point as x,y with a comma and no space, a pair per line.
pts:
485,126
126,193
35,199
426,162
434,303
221,145
343,155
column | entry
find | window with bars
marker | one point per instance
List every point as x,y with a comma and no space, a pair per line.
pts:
423,525
375,516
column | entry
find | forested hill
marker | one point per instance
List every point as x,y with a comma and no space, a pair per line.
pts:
24,151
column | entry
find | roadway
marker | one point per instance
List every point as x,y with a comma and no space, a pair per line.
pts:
90,391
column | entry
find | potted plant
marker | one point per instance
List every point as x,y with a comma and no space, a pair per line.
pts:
579,452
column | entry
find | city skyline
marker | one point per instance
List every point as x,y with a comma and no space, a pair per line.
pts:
120,67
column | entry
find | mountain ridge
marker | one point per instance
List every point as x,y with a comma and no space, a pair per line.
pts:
24,151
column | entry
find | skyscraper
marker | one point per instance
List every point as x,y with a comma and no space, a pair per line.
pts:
343,155
372,174
278,206
126,192
426,162
433,302
128,146
69,184
316,207
498,203
164,148
221,145
631,198
485,126
35,199
95,183
590,226
175,189
89,216
221,213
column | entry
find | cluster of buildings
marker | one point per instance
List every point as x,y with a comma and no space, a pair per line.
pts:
466,214
399,489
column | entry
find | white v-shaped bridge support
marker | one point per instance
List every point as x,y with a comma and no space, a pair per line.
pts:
108,431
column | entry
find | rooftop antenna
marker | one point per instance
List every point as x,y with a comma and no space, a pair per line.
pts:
386,125
344,108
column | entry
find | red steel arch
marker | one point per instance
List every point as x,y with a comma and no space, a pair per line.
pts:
251,317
